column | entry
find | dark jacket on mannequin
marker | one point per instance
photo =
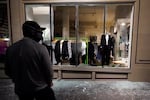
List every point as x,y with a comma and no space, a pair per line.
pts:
105,49
103,40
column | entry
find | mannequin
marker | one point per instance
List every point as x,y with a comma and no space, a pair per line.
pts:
105,48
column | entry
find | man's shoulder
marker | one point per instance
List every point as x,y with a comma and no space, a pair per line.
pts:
27,42
14,44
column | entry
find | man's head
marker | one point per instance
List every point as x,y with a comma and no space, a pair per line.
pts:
32,30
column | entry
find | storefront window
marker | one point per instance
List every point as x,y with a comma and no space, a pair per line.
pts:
86,35
4,31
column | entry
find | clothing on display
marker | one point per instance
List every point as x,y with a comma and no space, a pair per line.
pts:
113,45
76,53
83,51
91,53
67,52
57,52
107,45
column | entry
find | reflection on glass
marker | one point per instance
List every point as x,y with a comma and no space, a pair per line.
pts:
4,31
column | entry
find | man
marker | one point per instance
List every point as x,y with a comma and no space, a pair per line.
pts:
29,66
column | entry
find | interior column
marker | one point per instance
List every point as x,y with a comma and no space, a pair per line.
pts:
65,29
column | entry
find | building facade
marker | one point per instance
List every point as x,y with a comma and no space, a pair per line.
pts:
96,39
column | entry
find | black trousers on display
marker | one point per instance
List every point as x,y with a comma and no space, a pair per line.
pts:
105,55
44,94
83,59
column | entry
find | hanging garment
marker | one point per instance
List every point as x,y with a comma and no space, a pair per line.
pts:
65,53
57,52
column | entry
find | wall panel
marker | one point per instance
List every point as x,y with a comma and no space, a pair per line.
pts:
143,38
140,62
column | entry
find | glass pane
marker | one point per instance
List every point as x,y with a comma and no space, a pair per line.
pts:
117,28
40,14
91,35
91,26
64,35
4,31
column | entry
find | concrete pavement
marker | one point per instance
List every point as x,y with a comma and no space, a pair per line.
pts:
88,90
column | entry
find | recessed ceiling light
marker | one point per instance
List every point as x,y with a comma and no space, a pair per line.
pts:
41,10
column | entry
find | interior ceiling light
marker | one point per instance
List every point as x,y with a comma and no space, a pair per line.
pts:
123,24
41,10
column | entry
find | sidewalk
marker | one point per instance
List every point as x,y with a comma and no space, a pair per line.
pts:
88,90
